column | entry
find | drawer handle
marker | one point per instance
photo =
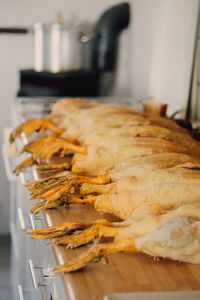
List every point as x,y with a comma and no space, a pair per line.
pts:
9,173
22,178
8,151
36,283
14,240
20,292
32,221
21,219
33,218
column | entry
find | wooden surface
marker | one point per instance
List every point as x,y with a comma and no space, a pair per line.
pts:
125,272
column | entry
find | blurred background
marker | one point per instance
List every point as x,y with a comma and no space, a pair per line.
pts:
154,53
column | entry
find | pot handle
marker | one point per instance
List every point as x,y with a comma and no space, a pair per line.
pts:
14,30
85,39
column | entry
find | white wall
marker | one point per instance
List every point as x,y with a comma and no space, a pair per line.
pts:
162,48
155,54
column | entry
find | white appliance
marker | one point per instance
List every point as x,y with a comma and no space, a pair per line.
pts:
30,260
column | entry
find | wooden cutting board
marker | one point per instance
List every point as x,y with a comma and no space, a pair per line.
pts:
125,272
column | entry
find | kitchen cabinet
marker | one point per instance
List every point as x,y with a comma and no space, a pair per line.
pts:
28,259
32,260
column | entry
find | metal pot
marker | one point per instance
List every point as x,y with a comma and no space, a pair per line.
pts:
58,46
61,46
